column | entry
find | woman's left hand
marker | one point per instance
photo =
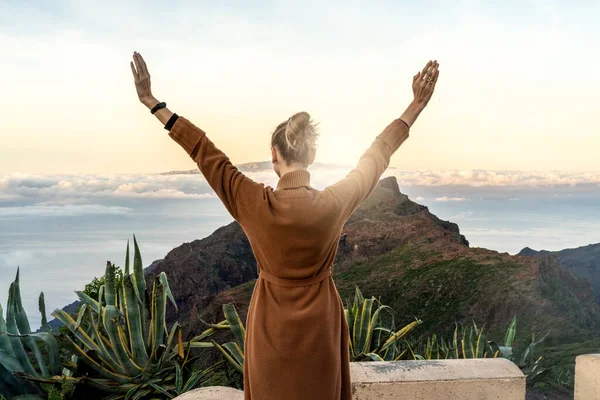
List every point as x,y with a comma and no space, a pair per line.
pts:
142,80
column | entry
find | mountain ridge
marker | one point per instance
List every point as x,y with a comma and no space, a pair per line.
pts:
395,249
583,261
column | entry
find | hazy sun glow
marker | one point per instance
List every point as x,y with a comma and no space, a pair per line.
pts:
518,84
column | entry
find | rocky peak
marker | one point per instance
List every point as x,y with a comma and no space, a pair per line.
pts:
527,251
200,269
390,182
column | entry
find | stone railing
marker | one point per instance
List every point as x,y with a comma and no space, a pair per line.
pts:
587,377
472,379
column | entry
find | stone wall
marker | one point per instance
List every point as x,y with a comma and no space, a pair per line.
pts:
473,379
587,377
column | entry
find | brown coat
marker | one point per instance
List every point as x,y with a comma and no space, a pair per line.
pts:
296,343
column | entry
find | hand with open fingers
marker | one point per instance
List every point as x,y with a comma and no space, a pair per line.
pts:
424,82
141,78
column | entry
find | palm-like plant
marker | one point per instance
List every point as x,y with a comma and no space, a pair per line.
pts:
18,345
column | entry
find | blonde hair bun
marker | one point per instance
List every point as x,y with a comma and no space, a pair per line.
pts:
300,130
296,139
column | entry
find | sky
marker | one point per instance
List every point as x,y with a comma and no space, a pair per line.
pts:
518,86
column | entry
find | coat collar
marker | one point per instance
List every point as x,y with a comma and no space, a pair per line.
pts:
294,179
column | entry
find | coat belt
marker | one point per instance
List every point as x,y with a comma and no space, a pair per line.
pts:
294,282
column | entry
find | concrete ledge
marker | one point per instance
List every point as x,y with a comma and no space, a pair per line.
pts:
438,380
587,377
479,379
213,393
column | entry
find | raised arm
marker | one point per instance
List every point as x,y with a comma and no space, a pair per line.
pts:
360,182
225,179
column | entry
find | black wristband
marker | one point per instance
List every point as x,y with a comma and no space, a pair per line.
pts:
171,121
158,107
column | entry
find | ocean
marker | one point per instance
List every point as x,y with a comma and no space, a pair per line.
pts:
60,230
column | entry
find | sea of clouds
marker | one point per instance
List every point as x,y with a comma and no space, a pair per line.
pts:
73,193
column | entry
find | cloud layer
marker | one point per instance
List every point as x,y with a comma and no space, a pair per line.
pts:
63,189
114,194
478,178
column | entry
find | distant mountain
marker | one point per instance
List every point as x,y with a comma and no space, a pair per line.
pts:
152,266
395,249
260,166
70,308
584,261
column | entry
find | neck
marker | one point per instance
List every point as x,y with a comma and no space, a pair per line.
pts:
284,169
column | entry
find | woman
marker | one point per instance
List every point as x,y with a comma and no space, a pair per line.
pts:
296,343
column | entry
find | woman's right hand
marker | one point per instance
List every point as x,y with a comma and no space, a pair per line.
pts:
424,83
423,86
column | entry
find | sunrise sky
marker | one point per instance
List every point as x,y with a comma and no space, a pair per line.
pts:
518,87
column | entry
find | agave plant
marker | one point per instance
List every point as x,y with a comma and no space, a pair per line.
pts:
232,351
435,349
122,337
526,361
369,336
18,344
469,342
